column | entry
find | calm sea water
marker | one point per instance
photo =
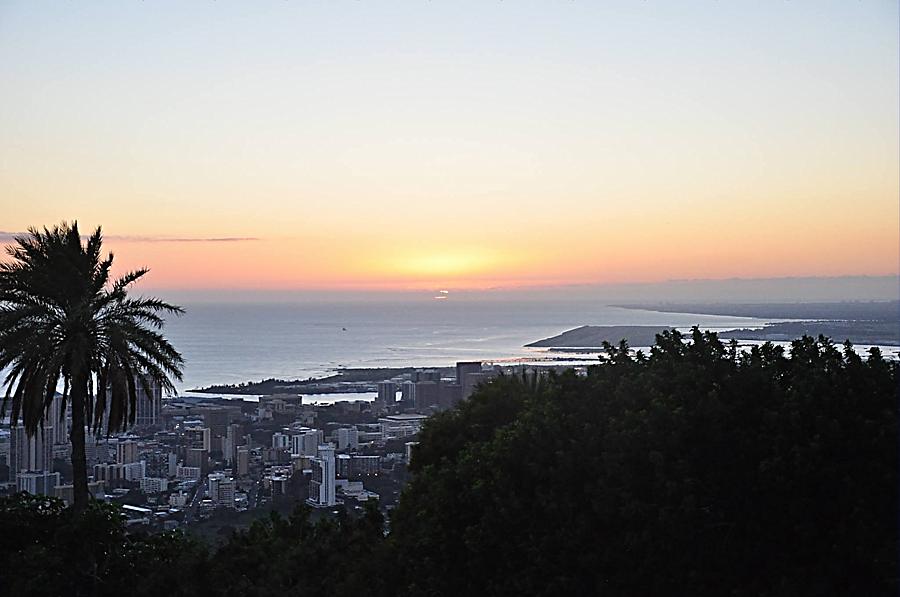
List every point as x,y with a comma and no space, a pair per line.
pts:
232,343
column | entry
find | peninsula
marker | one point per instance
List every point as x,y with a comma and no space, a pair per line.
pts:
859,322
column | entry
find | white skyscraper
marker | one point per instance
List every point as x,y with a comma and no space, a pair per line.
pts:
322,486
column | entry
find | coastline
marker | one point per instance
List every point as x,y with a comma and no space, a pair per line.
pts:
863,323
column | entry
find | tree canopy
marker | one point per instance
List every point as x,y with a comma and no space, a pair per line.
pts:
695,470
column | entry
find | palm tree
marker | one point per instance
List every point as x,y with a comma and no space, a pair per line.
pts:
63,318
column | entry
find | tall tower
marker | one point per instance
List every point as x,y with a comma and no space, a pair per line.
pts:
322,486
126,452
230,443
30,453
148,407
58,418
30,460
387,392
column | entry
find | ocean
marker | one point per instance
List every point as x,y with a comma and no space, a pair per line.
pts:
227,343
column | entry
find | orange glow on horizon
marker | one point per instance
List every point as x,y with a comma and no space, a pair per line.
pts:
298,264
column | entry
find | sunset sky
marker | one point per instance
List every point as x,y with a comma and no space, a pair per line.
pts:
417,144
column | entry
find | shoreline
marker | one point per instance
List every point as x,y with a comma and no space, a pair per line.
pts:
871,323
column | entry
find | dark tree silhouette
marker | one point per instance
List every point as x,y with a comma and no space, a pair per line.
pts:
696,469
63,318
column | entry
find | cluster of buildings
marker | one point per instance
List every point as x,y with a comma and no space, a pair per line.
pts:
186,458
426,391
30,459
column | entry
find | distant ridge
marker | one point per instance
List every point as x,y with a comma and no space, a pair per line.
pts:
831,311
864,322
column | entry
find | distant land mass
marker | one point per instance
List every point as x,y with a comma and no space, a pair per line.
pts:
345,380
858,322
593,336
842,311
858,332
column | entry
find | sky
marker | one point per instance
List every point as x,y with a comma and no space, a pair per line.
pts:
363,144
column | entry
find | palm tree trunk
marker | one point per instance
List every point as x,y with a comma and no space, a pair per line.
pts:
79,461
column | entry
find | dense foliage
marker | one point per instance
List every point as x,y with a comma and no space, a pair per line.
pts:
47,549
694,470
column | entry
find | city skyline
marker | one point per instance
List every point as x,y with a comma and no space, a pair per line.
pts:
369,146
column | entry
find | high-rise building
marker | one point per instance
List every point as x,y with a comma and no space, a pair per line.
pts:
216,418
449,394
387,392
37,482
410,451
348,438
30,453
154,484
464,368
148,407
343,466
243,461
221,489
280,441
322,486
230,442
134,471
59,420
4,446
408,393
126,452
307,442
197,457
427,395
199,437
96,449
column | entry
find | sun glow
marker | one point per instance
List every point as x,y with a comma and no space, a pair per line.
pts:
450,265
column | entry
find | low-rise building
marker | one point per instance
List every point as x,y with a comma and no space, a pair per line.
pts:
400,426
188,472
